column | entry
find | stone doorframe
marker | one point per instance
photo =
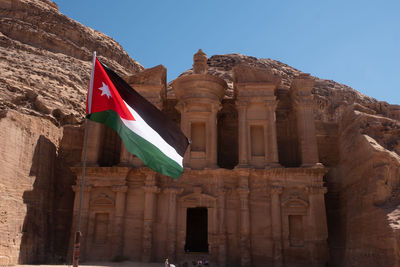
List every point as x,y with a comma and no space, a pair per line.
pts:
103,203
197,199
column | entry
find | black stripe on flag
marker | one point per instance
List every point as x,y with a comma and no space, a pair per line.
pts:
156,119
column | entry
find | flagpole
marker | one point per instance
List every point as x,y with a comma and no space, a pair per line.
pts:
78,234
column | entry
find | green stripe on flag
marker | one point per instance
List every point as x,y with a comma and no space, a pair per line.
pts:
147,152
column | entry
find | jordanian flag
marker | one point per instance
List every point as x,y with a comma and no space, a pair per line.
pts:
144,130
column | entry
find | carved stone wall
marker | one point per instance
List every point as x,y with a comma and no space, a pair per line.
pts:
249,215
258,211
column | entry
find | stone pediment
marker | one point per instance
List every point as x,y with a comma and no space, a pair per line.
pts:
295,205
295,202
151,84
244,73
253,83
152,76
198,199
102,200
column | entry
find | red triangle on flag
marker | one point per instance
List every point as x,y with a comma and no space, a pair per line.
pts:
105,96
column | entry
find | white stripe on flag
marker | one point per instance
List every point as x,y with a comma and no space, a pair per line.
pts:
141,128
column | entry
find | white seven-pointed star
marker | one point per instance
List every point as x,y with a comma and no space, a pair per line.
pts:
105,90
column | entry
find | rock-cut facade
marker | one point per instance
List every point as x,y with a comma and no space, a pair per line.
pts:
252,192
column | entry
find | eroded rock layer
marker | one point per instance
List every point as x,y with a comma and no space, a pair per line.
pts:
45,60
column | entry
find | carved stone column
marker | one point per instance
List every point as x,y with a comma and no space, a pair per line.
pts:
276,219
221,227
85,215
318,233
213,133
303,103
242,115
185,127
172,224
94,143
272,143
120,197
243,192
150,191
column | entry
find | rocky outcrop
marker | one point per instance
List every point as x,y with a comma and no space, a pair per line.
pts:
364,195
45,59
27,156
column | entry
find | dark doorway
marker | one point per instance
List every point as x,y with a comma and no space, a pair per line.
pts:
196,230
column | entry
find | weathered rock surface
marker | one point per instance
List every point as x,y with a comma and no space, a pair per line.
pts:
27,156
363,198
45,59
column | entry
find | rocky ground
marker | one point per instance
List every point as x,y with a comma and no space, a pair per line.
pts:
105,264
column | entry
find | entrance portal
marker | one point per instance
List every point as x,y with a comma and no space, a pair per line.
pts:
196,230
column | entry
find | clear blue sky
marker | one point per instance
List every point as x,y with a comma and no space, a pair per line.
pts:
352,42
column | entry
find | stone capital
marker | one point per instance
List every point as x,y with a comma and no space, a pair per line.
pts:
151,189
173,190
313,190
244,173
221,191
271,104
303,102
77,188
276,190
303,83
150,179
241,105
119,188
215,107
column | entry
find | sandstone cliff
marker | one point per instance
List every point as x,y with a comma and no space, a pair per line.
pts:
45,61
